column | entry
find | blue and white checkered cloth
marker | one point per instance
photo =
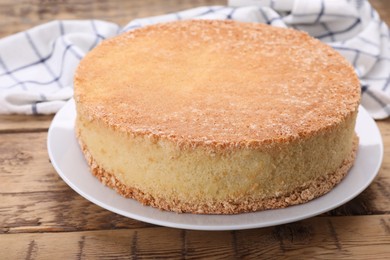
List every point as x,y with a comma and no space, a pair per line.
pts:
37,66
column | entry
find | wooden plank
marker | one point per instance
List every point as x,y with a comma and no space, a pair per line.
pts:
362,237
70,245
24,123
157,242
215,245
56,211
25,165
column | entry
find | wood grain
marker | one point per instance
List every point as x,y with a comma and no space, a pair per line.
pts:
25,165
363,237
56,211
24,123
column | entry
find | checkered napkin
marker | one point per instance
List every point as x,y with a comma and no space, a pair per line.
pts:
37,66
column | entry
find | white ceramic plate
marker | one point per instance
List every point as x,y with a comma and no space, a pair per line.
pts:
69,162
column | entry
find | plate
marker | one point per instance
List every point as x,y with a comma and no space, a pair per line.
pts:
69,162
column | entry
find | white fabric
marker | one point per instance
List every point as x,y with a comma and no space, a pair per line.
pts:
37,66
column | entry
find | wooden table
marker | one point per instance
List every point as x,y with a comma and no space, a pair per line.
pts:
42,218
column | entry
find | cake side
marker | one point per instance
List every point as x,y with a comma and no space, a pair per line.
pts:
307,191
170,177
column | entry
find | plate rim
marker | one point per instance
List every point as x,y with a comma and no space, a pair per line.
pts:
165,223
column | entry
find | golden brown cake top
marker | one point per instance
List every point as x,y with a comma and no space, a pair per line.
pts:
216,82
